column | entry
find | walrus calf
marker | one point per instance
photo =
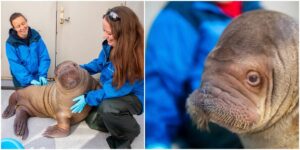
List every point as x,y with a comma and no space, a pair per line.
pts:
53,100
250,81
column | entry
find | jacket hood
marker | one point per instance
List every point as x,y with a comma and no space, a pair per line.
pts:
15,40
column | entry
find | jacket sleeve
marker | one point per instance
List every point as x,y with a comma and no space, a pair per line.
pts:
44,59
94,98
17,69
96,65
168,65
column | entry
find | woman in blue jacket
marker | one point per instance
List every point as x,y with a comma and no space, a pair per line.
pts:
27,53
121,63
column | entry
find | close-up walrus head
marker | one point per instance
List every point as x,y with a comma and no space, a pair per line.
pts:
250,81
68,74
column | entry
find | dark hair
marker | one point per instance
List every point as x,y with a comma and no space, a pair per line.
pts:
14,16
128,54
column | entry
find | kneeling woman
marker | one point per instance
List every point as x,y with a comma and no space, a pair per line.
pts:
27,54
121,63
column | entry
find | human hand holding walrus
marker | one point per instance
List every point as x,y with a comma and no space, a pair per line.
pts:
53,100
250,81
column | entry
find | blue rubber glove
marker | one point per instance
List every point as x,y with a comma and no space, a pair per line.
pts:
43,80
79,105
34,82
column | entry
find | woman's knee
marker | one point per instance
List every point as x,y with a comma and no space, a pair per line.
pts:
111,107
106,108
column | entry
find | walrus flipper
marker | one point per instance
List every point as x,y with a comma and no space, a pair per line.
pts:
20,123
62,128
10,110
56,132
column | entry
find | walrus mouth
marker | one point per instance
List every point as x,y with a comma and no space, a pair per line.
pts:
204,105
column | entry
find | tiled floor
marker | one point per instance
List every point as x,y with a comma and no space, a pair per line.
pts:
81,135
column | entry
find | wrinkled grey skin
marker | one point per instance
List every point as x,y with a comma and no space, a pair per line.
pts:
250,81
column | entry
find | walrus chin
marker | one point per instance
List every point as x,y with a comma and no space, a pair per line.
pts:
204,106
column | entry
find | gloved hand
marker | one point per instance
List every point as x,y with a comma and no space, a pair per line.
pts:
43,81
34,82
78,107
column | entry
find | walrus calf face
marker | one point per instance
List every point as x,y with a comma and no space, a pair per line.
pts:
231,92
250,79
67,74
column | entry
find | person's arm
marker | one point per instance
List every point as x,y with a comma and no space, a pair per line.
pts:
44,59
96,65
94,98
17,69
170,45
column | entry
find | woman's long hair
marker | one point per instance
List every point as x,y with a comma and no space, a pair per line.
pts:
127,55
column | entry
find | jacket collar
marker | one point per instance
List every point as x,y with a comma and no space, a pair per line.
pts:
16,41
106,48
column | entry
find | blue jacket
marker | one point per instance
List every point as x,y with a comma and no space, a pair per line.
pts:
178,43
104,65
28,59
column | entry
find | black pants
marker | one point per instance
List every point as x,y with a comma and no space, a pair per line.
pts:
116,117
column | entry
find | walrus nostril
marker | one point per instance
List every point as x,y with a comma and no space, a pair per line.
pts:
72,84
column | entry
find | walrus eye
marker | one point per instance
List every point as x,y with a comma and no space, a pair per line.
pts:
253,78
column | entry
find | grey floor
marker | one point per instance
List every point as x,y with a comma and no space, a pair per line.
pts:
81,136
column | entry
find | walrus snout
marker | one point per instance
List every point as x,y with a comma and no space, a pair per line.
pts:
196,111
210,103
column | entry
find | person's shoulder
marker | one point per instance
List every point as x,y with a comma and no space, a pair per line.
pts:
11,38
167,16
169,20
176,15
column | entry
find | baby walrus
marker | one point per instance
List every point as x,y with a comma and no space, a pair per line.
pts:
250,81
53,100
